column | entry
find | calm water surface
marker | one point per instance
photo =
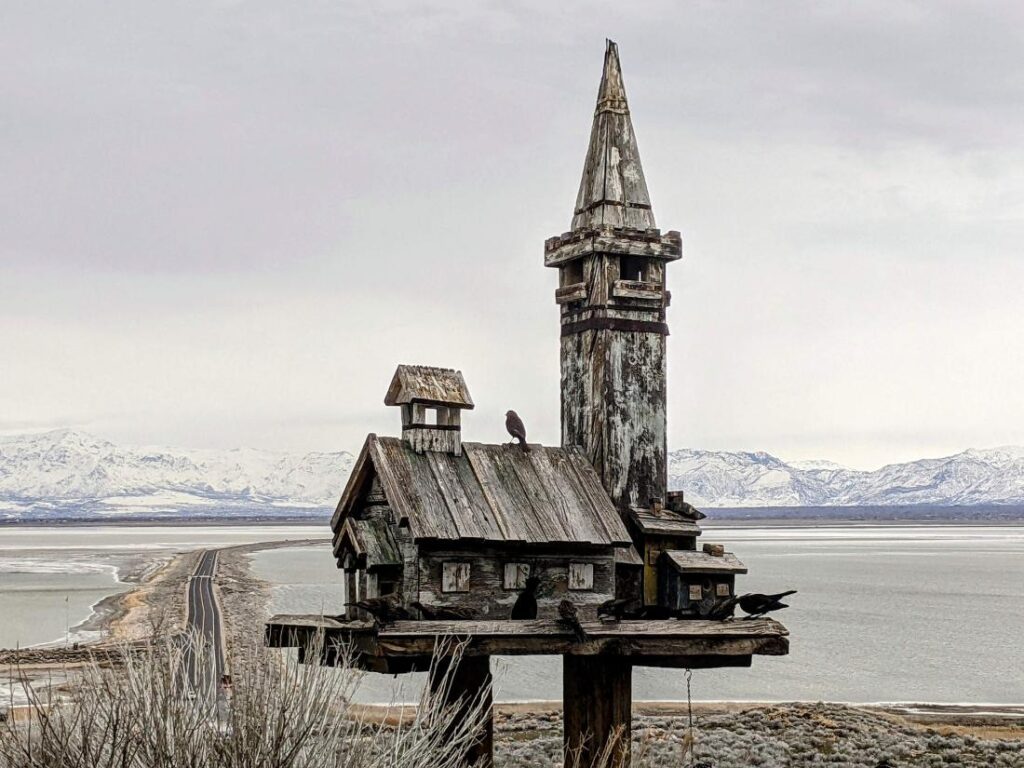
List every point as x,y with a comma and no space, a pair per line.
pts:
50,578
884,613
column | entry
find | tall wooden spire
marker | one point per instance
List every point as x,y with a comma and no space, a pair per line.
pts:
613,192
611,291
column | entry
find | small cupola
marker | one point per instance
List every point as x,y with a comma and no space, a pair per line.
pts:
432,400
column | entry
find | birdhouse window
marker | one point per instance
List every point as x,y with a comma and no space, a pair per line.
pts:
633,268
455,577
696,592
516,575
581,576
722,589
572,273
430,417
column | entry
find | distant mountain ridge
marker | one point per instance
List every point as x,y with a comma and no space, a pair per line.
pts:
725,479
65,473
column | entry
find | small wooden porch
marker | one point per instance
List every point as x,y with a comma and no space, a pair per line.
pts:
597,673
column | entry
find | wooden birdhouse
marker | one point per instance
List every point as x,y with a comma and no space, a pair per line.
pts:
692,582
436,524
432,401
433,519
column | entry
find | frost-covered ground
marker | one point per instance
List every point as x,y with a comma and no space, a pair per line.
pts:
780,735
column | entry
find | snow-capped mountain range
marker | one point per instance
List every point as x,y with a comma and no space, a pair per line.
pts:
65,471
970,478
68,473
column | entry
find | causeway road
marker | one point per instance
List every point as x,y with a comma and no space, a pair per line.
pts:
204,622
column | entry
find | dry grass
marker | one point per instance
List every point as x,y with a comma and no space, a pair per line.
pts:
278,715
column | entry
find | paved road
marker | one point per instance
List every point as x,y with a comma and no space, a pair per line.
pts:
204,620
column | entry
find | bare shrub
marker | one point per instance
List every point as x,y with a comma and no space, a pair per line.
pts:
145,713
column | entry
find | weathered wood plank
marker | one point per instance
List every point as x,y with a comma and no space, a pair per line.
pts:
597,710
455,499
658,641
467,688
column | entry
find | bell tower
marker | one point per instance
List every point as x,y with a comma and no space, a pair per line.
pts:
612,296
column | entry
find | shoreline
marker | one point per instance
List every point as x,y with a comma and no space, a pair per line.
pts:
725,517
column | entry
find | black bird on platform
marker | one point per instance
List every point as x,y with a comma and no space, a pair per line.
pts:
384,610
517,429
526,604
614,609
444,612
722,609
570,617
756,604
657,613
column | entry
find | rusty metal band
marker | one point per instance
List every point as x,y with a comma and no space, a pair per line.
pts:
615,324
437,427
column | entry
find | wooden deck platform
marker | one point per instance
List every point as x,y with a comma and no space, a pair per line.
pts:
408,645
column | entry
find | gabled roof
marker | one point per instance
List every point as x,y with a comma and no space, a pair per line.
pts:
667,523
613,191
495,493
688,561
370,541
426,384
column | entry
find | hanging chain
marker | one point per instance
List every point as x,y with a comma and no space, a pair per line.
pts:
689,717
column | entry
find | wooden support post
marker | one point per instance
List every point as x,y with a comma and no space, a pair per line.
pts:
597,709
470,679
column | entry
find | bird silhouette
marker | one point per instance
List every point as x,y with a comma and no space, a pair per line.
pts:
756,604
690,512
614,609
526,604
517,429
657,613
568,615
444,612
722,609
384,610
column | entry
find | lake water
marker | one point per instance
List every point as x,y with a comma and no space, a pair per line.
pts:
884,613
50,578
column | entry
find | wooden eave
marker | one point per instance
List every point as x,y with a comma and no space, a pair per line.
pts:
428,385
665,524
576,244
628,556
371,542
690,561
361,473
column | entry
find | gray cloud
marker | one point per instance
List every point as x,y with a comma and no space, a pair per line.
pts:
225,223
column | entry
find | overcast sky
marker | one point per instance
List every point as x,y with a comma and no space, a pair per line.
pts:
224,224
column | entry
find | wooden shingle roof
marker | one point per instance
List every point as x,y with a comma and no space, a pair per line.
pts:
429,385
495,493
689,561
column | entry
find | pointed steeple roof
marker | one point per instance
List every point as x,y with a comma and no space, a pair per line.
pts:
613,192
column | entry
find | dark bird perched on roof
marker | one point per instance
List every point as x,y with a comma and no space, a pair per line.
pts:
444,612
756,604
722,609
690,512
526,604
680,506
613,609
383,609
570,617
517,429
